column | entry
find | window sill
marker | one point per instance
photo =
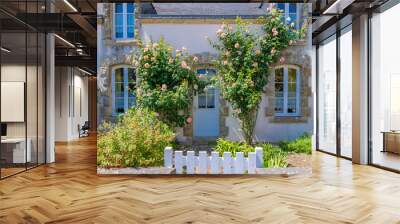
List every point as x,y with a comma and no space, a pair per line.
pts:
289,119
125,41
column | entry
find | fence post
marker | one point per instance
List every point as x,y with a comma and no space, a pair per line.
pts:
252,163
259,157
168,157
203,162
214,163
239,163
190,162
227,163
178,162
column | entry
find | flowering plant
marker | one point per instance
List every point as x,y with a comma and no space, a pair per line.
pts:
167,82
244,60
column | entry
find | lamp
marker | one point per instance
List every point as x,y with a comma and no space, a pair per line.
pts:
70,5
64,40
5,50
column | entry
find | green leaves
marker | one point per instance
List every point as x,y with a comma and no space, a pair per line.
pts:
299,145
243,64
137,139
232,147
167,82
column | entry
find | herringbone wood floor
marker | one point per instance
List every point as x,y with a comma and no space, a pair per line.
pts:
69,191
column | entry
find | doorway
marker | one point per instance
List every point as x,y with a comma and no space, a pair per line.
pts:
206,109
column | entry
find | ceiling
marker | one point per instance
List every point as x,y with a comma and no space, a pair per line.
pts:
75,20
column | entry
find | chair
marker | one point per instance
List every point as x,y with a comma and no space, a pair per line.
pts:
84,130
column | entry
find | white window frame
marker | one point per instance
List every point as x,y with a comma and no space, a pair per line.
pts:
124,22
285,91
286,14
126,88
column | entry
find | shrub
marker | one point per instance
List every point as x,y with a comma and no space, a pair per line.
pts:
167,82
137,139
274,156
232,147
299,145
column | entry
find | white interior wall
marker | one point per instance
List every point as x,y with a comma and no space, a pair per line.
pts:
70,83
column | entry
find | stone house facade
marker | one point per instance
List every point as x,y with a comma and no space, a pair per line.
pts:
286,110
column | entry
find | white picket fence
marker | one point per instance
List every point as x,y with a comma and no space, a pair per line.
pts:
214,164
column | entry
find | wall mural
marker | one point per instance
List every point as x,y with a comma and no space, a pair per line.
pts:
201,94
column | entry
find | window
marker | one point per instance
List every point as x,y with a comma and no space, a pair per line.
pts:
287,91
124,18
290,11
124,87
207,98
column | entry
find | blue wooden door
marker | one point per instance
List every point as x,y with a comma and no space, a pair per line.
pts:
206,110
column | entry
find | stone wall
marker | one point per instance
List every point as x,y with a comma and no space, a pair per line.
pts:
113,53
299,56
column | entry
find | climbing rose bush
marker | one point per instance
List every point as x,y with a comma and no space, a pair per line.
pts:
167,82
245,57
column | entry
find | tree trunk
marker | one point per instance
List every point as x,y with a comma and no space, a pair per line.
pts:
248,122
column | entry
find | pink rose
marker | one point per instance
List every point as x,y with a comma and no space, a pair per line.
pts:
237,111
282,60
274,32
273,51
184,64
164,87
225,62
195,59
189,120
